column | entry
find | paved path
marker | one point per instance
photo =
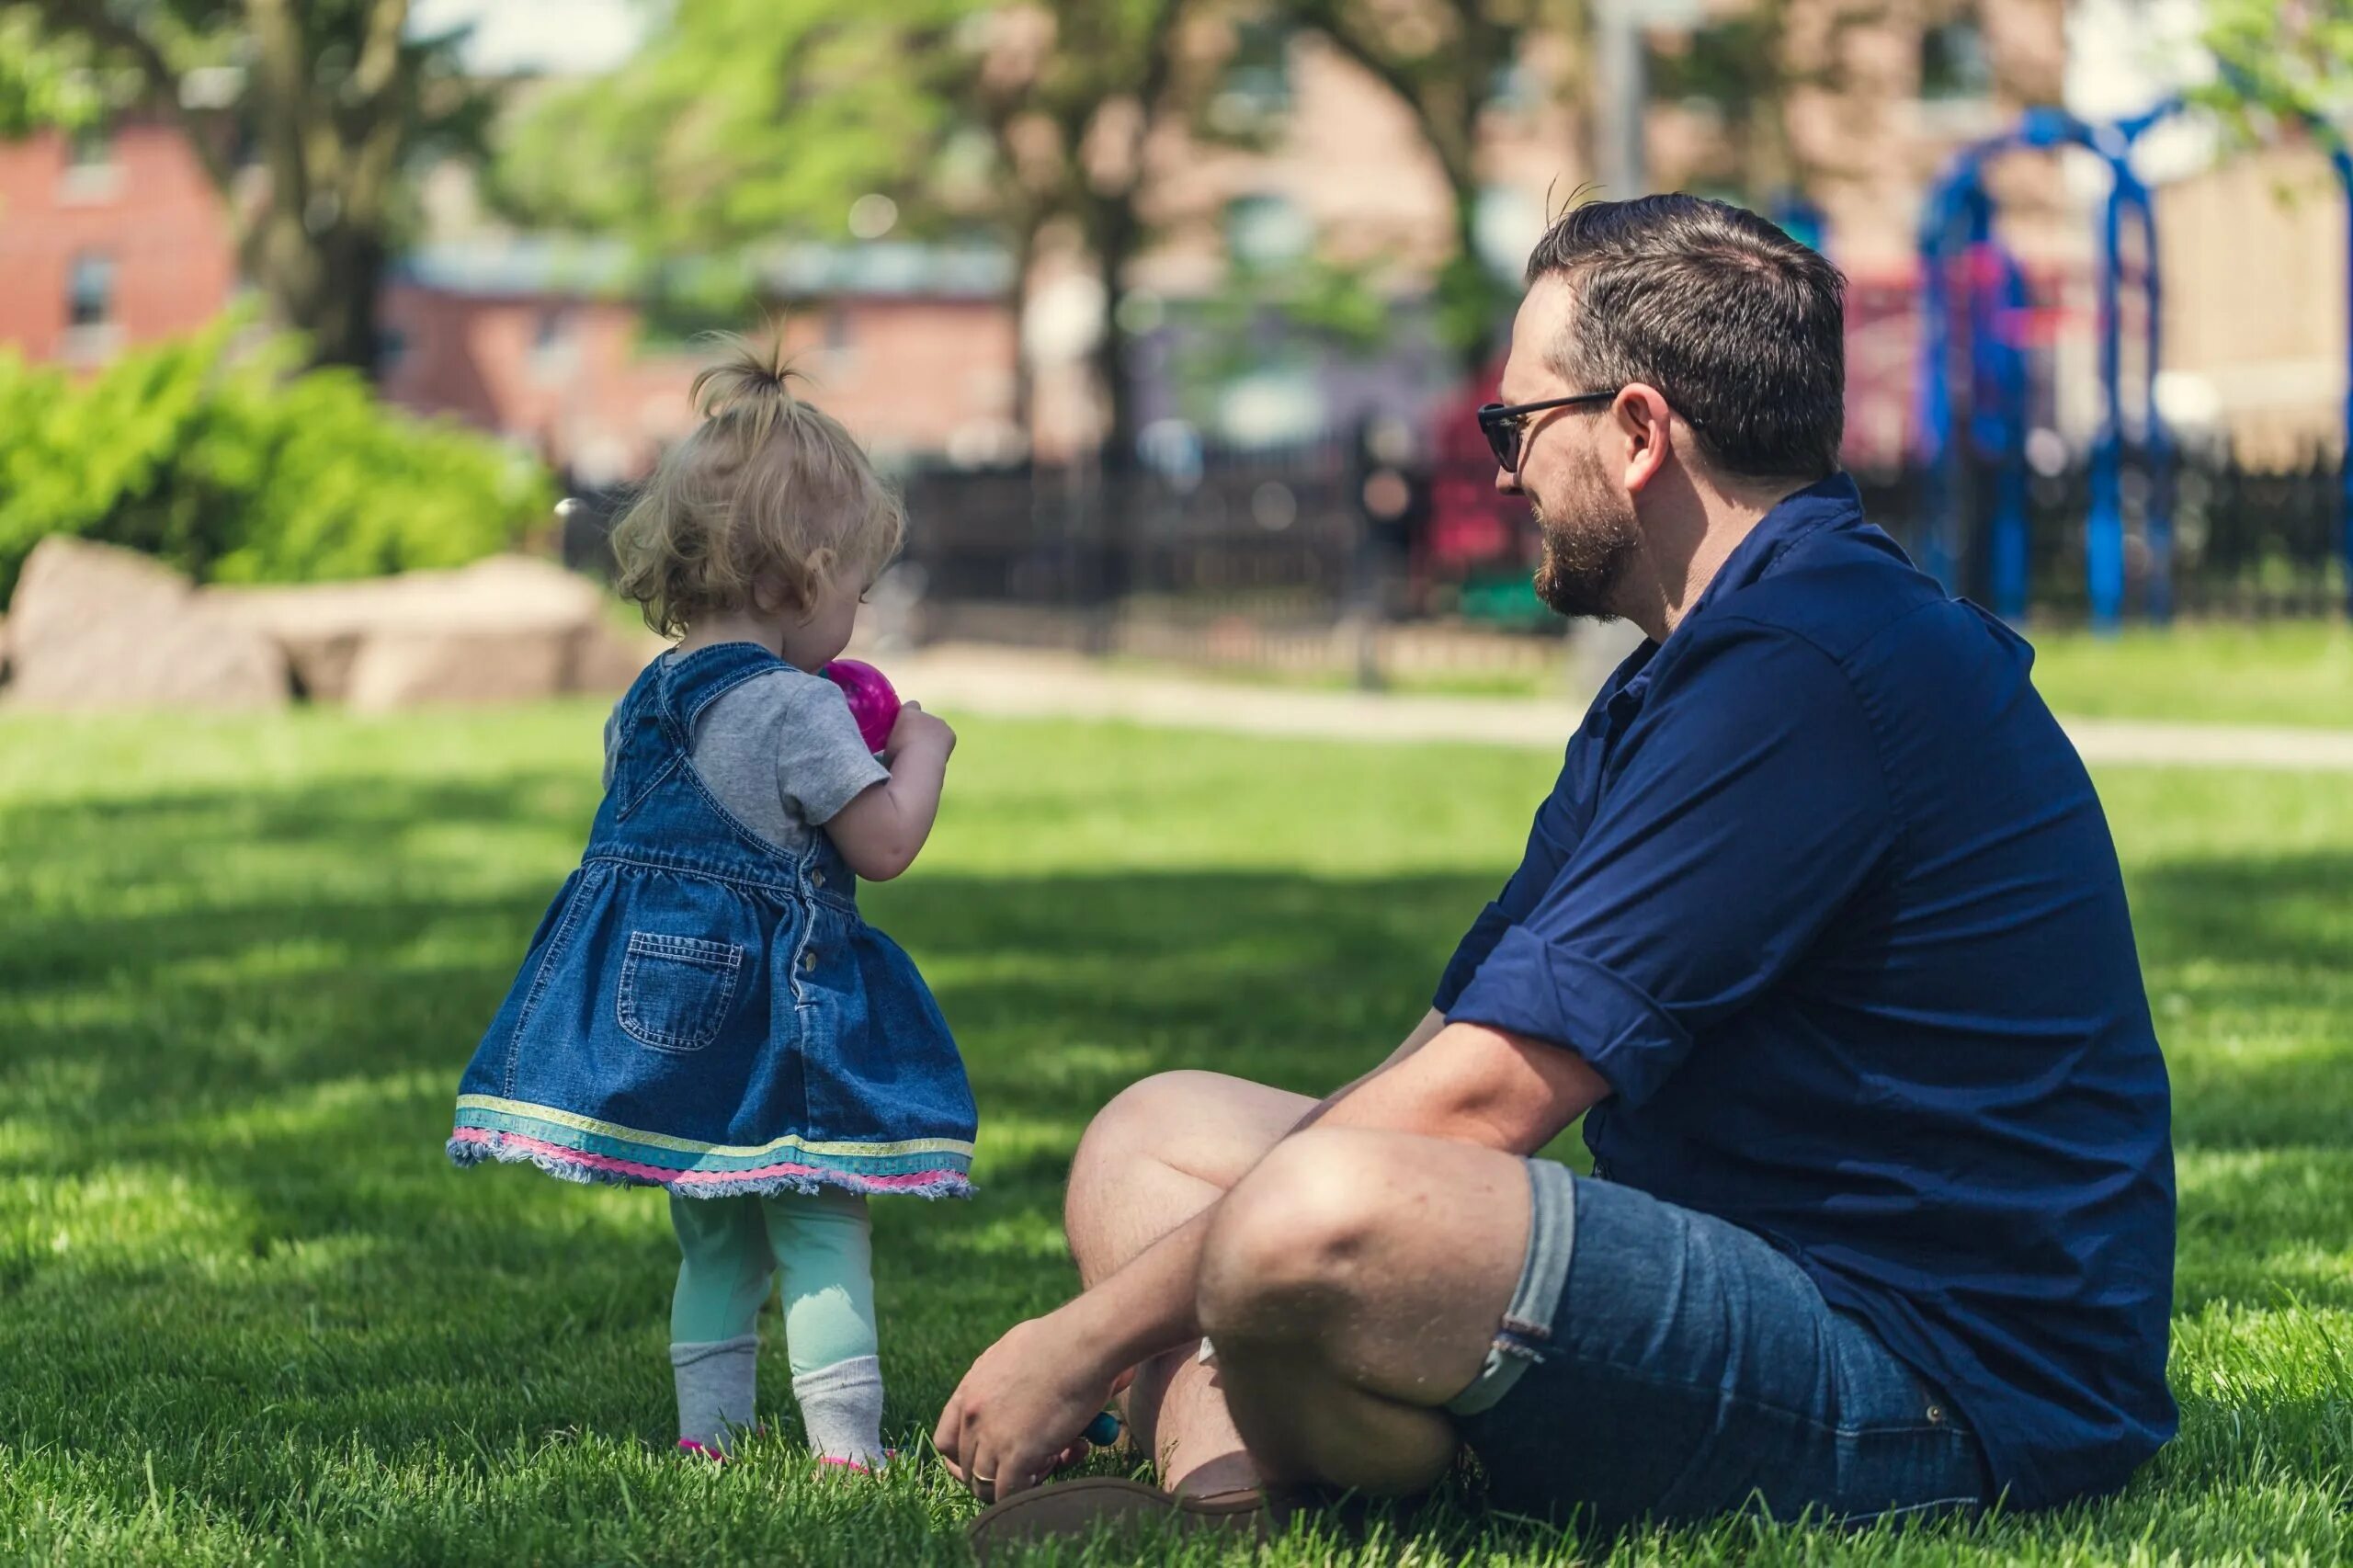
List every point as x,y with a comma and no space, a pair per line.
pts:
1018,683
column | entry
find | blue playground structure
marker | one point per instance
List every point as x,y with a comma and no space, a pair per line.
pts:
1975,297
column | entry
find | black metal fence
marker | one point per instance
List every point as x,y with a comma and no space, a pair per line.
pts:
2248,538
1288,555
1275,538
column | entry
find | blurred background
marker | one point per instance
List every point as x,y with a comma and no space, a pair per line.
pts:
1169,315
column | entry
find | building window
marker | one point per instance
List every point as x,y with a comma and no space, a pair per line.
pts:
92,172
92,146
92,333
555,344
1266,231
1953,66
89,291
1254,88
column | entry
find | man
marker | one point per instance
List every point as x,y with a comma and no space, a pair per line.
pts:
1822,932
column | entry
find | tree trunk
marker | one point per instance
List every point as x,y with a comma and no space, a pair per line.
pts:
1023,412
1114,242
321,250
323,285
342,328
316,246
1473,351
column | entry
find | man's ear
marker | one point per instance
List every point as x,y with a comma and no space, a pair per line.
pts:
1647,426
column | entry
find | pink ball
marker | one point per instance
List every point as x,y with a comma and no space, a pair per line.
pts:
871,701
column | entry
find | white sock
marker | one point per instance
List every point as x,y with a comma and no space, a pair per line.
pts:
841,1409
716,1384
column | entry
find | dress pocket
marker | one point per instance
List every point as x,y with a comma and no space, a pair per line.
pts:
674,991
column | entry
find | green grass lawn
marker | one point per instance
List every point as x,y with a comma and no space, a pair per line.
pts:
2288,672
2296,673
247,1312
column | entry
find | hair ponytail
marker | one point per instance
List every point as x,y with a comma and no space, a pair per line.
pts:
765,502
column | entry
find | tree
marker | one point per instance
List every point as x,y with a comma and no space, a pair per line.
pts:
1442,61
1739,63
333,96
1758,65
745,122
2290,61
1069,92
739,122
40,84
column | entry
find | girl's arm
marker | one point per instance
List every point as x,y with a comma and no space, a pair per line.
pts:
880,833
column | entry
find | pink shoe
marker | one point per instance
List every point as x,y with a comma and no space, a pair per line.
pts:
715,1454
860,1466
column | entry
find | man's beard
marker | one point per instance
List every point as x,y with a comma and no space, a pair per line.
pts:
1589,546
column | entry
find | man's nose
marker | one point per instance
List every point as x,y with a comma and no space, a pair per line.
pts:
1506,482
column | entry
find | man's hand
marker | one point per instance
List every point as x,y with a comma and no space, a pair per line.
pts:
1017,1416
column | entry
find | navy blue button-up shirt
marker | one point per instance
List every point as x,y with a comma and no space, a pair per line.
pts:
1825,895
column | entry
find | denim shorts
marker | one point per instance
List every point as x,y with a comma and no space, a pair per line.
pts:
1659,1364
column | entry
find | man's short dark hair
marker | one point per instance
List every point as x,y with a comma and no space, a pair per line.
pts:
1740,328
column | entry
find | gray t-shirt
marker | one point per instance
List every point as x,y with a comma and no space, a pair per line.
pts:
781,751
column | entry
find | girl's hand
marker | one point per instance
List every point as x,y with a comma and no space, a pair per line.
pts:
882,831
915,730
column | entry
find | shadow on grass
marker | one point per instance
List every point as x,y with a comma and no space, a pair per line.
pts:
2250,966
235,1020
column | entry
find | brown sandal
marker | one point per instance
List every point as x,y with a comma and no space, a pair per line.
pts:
1107,1503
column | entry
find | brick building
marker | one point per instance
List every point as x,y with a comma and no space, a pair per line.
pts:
107,239
539,342
1333,165
116,240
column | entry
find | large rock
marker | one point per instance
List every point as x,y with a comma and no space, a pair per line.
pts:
607,659
398,670
511,629
92,627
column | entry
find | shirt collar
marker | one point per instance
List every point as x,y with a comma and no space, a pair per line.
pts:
1827,503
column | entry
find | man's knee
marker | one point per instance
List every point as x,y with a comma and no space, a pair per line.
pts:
1285,1249
1114,1192
1136,1124
1138,1115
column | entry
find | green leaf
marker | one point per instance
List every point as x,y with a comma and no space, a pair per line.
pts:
232,469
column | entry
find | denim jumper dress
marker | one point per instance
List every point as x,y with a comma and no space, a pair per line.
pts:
705,1011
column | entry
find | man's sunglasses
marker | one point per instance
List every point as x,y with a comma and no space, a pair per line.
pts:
1506,423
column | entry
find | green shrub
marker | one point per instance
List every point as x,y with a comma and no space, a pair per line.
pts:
234,469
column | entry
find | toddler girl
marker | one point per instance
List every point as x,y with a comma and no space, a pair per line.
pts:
703,1009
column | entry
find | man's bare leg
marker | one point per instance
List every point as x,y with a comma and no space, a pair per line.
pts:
1155,1157
1353,1283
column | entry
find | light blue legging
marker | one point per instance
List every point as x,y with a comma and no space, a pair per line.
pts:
823,1244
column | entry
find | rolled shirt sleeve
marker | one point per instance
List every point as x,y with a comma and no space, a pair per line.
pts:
1549,839
1742,808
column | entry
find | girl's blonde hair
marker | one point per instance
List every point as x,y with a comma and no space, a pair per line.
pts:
768,501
